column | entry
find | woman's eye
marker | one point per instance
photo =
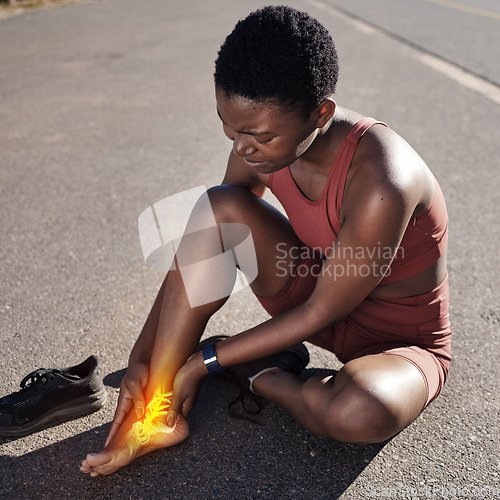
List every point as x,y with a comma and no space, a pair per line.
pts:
263,142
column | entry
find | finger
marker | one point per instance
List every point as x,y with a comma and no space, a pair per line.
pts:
123,407
120,414
173,411
187,406
135,389
114,428
124,404
85,467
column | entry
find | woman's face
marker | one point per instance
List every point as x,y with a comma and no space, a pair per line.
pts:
266,136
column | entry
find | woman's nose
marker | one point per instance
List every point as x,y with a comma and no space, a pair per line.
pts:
242,146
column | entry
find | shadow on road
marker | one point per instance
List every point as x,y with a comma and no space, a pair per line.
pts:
222,458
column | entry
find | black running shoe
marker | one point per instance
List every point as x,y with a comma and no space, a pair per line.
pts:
52,396
293,360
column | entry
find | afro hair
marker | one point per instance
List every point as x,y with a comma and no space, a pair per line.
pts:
280,54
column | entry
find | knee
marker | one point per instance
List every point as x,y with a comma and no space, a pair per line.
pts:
355,414
361,418
228,202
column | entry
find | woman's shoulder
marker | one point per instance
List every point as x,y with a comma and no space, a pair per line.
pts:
386,163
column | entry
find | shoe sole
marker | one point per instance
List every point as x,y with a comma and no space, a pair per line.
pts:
74,409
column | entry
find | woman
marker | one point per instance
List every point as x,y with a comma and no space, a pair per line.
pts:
357,268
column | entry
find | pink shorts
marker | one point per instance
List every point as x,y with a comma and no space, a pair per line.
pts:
415,328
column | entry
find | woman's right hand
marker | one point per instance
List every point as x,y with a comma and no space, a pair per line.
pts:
131,395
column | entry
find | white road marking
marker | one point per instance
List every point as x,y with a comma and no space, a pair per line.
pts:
483,87
452,71
466,8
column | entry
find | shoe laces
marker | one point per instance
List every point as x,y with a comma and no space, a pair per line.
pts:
246,400
41,375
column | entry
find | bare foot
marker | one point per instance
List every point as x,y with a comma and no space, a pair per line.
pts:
123,449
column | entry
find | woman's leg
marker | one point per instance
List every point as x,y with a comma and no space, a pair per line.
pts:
180,326
371,398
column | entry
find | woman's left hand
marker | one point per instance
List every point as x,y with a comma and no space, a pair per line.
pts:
187,384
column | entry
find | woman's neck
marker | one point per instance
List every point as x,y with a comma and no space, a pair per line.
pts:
319,156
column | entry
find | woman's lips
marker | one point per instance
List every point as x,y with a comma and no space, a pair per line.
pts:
254,163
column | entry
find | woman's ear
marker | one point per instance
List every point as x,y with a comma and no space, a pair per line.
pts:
324,112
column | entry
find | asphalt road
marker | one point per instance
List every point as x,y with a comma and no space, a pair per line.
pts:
108,107
464,32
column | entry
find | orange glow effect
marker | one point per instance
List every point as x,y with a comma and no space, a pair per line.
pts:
154,419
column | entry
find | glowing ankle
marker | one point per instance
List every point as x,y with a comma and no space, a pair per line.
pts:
155,416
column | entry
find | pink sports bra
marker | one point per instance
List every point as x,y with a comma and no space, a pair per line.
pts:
317,222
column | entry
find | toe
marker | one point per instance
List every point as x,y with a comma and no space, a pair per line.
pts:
97,459
85,467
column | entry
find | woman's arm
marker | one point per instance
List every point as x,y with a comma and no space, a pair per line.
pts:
362,253
371,233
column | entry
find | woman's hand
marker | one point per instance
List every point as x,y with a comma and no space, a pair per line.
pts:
187,384
131,395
